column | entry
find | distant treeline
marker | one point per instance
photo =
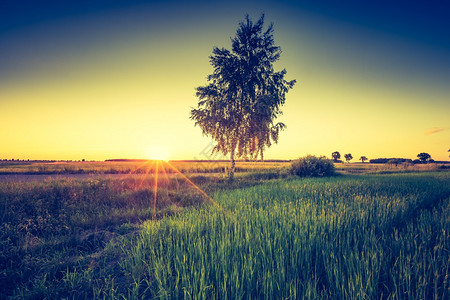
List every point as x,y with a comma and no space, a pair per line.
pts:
126,160
395,160
390,160
39,160
30,160
198,160
238,160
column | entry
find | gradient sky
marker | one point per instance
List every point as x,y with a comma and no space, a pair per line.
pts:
116,79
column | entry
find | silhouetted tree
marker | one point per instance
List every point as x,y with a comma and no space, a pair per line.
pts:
424,157
244,94
335,155
363,158
348,157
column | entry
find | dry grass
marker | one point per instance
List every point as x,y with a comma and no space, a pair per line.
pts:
367,168
124,167
193,167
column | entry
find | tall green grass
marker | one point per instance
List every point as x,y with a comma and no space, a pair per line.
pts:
339,238
345,237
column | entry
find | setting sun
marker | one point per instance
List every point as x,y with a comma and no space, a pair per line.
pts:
158,153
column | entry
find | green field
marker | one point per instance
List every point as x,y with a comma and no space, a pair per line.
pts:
383,236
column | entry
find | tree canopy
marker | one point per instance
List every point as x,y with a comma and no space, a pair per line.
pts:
336,155
348,157
424,157
243,97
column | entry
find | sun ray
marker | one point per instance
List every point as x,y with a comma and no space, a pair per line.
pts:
158,166
201,191
137,168
166,177
155,190
146,173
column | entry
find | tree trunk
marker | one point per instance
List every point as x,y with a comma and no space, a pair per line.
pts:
262,155
233,166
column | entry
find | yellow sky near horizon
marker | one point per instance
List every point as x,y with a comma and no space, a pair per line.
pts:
121,95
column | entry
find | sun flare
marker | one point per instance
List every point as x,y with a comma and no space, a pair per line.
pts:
158,153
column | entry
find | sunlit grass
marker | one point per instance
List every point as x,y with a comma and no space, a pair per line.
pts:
351,238
344,237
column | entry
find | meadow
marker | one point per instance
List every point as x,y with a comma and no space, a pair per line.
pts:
127,167
268,235
189,167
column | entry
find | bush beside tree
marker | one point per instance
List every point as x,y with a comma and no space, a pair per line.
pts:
312,166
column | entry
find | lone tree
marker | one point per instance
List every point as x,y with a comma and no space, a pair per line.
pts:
335,155
348,157
244,94
424,157
363,159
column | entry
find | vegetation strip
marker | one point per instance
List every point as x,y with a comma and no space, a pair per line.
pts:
350,237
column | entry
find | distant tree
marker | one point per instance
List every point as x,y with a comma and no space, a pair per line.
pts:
424,157
348,157
363,158
244,94
336,156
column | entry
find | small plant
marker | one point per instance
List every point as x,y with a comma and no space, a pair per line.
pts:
312,166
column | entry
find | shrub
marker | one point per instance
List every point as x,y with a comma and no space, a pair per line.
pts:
312,166
393,160
397,161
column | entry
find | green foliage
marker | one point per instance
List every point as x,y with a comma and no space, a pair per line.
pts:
312,166
346,237
244,94
328,238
